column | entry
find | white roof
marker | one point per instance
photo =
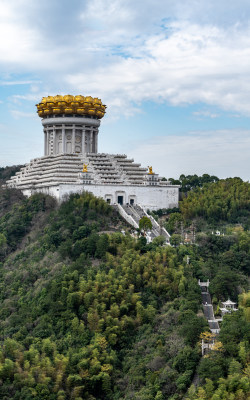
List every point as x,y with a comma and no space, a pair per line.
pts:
225,310
228,302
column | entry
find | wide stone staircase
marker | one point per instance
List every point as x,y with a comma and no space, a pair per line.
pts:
65,168
48,171
208,309
133,213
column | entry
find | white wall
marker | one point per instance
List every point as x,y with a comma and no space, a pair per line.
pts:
149,197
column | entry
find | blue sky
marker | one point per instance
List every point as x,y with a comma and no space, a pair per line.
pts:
174,74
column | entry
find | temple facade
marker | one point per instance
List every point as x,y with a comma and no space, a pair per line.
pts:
72,163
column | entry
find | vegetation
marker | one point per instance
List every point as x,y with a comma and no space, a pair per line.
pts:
145,224
189,182
89,313
227,200
7,172
76,303
226,372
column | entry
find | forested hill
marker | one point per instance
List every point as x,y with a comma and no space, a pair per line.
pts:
7,172
87,312
226,200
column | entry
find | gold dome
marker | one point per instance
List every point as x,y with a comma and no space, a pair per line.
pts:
56,110
58,98
68,110
69,104
89,99
68,98
50,99
80,110
79,98
97,101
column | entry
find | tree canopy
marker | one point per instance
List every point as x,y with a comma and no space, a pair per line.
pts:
145,224
89,313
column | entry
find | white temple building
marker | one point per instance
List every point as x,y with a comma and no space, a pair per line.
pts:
227,307
72,163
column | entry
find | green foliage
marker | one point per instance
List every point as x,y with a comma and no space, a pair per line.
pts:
175,240
87,314
227,373
16,223
75,303
189,182
145,224
174,222
7,172
225,200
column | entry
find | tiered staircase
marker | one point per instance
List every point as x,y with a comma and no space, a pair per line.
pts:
48,171
133,213
208,308
132,172
65,168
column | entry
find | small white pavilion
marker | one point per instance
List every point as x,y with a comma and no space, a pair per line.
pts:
228,307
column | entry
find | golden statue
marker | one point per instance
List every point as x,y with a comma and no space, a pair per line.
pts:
150,170
85,168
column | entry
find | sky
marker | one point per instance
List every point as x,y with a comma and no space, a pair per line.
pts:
174,74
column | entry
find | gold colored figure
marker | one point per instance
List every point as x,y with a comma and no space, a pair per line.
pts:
150,170
85,168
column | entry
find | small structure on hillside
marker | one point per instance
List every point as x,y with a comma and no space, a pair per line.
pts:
204,285
228,307
207,342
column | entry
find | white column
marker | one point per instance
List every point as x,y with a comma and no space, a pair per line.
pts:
54,140
91,141
45,141
83,141
96,141
73,139
63,139
48,142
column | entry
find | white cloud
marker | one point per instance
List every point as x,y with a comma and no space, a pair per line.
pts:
205,113
225,152
172,51
22,114
194,64
181,52
14,83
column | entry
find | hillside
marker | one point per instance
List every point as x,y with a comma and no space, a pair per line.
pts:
89,313
7,172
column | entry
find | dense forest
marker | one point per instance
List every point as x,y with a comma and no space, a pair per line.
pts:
189,182
88,312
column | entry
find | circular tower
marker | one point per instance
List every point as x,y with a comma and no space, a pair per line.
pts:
70,123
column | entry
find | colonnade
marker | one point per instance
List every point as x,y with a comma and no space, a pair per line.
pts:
64,138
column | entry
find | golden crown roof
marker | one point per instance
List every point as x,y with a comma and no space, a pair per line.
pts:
68,104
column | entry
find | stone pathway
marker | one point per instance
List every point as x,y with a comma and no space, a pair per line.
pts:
208,309
133,214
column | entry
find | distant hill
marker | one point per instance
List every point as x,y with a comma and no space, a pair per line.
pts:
7,172
227,199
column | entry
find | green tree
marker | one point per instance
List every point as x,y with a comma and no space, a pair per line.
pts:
145,224
175,240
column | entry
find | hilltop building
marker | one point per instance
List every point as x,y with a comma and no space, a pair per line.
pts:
72,163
